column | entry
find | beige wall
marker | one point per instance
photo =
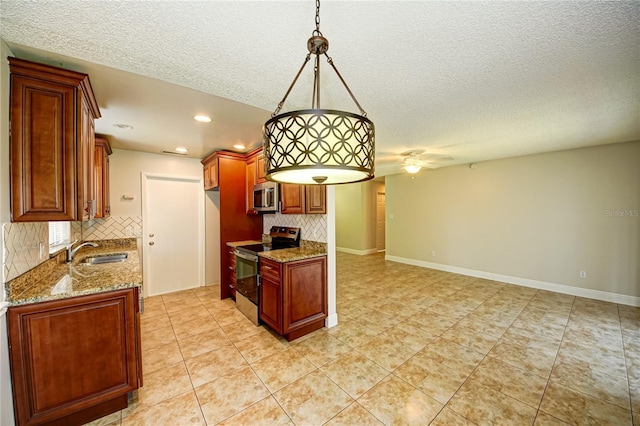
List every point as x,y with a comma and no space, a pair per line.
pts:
125,168
542,217
356,216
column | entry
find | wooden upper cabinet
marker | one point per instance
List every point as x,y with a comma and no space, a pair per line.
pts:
102,152
210,172
316,199
252,177
260,167
303,199
292,199
52,114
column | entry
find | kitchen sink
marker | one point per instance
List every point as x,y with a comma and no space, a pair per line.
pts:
104,258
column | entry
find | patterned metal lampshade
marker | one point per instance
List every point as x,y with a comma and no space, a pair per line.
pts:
316,145
319,146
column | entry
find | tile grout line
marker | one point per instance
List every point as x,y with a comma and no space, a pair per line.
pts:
554,363
626,364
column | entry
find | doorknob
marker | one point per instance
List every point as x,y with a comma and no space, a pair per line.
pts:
151,243
151,235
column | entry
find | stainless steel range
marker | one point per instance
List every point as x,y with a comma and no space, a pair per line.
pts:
247,261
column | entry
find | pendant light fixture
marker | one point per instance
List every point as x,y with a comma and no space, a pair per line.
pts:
318,145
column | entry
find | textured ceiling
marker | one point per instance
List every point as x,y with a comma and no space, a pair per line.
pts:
468,80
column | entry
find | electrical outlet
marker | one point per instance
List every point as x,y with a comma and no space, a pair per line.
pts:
128,231
433,253
583,274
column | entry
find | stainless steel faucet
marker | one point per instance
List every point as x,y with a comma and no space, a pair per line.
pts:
72,252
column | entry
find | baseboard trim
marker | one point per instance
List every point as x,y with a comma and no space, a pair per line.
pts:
358,252
331,320
525,282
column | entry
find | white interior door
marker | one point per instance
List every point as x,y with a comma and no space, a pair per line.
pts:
173,233
381,221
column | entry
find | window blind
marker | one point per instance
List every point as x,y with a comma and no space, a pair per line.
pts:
58,233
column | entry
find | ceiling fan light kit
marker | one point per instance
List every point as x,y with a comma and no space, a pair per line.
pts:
317,145
412,164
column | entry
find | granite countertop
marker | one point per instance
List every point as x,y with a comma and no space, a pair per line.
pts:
243,243
307,250
55,279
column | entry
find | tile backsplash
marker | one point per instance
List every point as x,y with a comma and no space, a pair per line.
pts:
313,227
26,245
112,228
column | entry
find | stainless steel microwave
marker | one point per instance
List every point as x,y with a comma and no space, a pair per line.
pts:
266,197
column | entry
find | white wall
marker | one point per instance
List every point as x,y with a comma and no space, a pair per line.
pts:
533,220
212,241
6,398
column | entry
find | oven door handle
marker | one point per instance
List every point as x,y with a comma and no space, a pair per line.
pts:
249,257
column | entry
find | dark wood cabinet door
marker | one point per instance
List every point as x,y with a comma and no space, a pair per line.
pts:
85,156
70,355
102,151
260,168
52,136
304,293
231,267
42,151
292,198
316,199
210,171
271,303
252,173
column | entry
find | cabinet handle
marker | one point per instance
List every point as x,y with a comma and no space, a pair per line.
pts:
232,268
267,267
152,235
151,243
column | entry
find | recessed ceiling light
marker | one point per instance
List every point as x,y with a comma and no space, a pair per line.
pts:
181,150
239,146
123,126
202,118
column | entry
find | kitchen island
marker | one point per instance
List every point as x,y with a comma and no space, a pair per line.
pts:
74,336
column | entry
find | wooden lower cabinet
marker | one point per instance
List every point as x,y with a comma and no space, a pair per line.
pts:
293,295
231,257
74,360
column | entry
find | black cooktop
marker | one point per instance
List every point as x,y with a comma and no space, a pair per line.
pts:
255,248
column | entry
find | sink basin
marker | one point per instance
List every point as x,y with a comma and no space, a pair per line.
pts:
104,258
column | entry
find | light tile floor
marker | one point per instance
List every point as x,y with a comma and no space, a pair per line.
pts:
413,346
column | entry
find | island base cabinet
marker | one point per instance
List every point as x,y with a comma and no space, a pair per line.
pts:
74,360
294,303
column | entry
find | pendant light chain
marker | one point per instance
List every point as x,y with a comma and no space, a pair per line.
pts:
317,31
318,146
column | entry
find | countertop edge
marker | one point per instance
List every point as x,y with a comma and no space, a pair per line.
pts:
289,257
70,295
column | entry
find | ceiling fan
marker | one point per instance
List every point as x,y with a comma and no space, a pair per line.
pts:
414,160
